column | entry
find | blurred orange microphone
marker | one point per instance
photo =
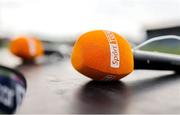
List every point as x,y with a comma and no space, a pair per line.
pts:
27,48
30,48
102,55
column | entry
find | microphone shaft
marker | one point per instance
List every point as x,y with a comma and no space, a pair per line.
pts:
155,61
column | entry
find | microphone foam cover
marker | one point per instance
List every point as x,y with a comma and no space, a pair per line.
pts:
102,55
27,48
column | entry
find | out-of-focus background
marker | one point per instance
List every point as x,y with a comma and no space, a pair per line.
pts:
64,20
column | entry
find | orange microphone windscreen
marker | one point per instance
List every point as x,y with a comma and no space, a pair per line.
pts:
27,48
102,55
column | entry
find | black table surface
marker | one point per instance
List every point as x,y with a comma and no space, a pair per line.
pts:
58,88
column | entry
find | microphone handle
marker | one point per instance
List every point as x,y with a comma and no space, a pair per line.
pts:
155,61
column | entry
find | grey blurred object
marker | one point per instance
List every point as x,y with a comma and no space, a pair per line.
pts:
158,53
159,31
169,44
63,49
3,42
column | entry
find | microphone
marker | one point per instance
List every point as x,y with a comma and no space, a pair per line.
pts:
12,89
29,48
102,55
106,56
160,58
155,61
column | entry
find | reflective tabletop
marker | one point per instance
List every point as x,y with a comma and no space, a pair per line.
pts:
58,88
